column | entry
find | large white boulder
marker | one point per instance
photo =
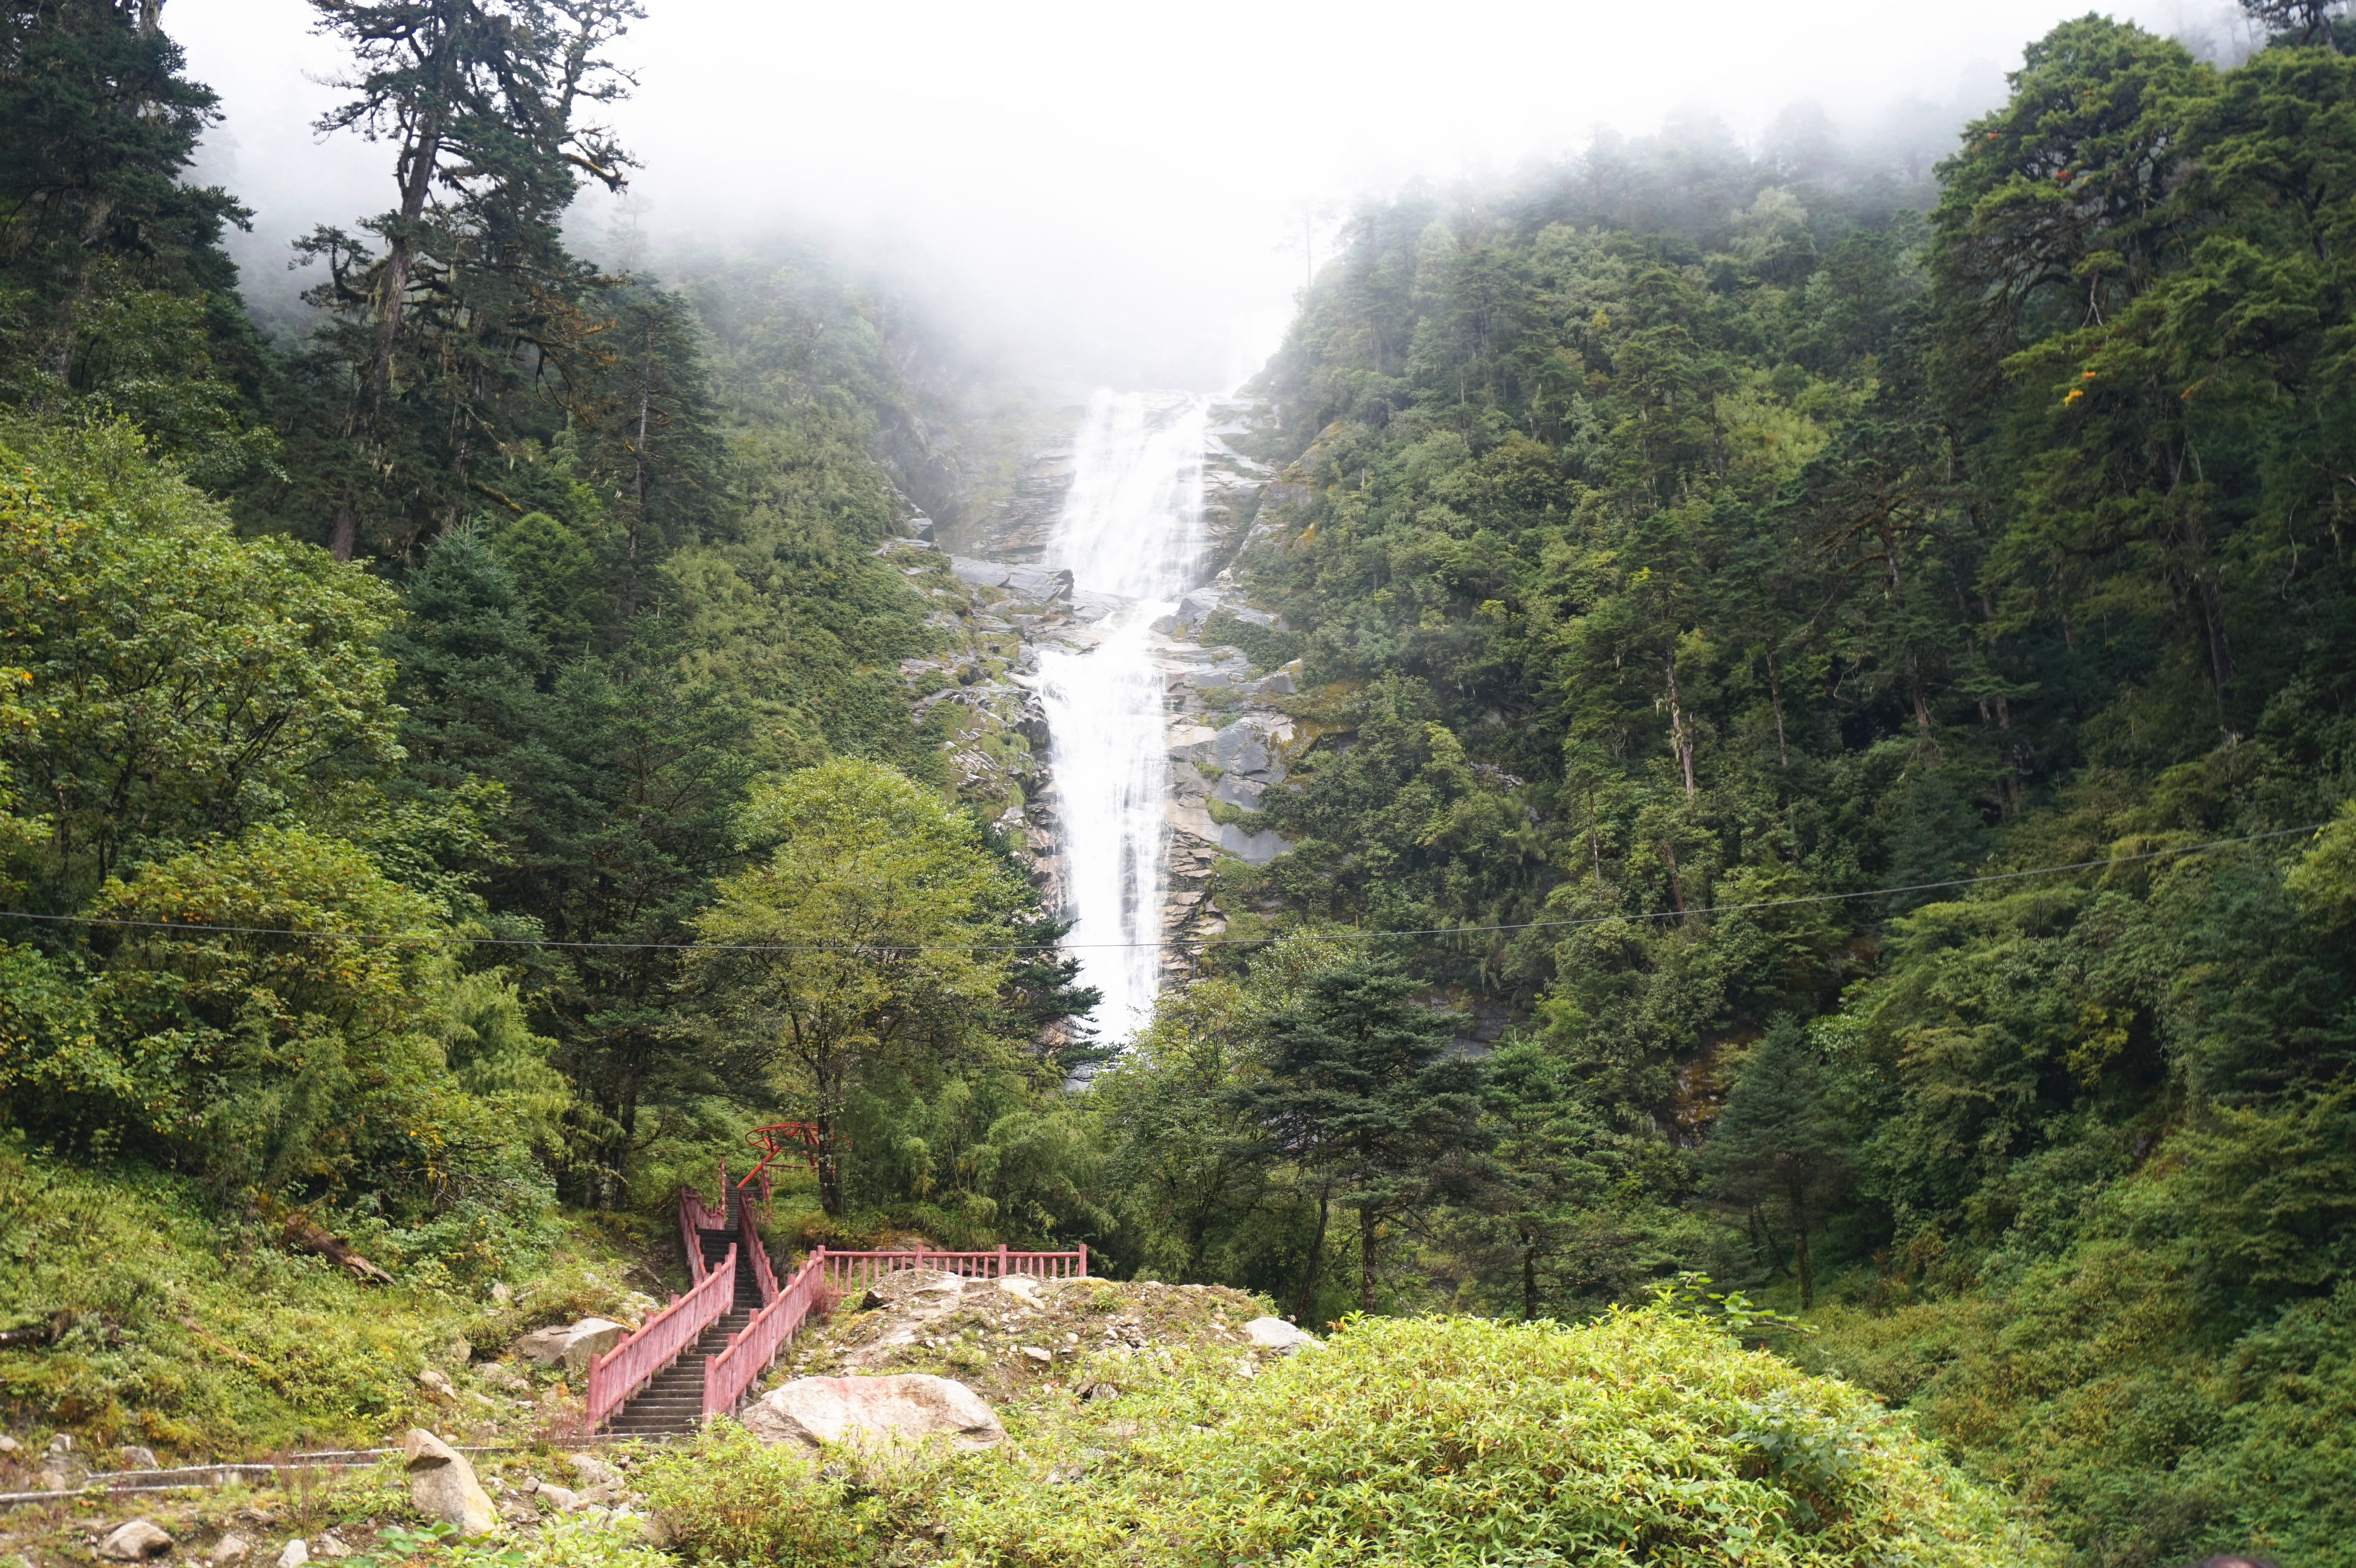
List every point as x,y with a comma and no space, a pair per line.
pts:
443,1483
924,1288
875,1412
1021,1286
571,1344
135,1543
1276,1334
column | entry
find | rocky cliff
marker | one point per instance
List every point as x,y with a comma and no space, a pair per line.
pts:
1000,606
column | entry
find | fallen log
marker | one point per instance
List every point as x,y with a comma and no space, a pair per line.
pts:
305,1234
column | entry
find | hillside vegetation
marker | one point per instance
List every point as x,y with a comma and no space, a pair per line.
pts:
1843,668
1692,537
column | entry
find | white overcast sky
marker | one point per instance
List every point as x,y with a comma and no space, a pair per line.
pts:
1128,176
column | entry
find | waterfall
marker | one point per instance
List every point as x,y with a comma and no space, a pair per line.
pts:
1132,528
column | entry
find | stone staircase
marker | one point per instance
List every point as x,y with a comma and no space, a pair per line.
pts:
672,1404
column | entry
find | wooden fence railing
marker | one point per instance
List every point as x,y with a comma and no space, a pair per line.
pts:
695,1214
622,1371
843,1268
727,1375
615,1376
748,1240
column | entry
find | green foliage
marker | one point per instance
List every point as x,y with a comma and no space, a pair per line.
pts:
1361,1095
862,948
1639,1437
1689,531
184,681
113,286
735,1499
1778,1146
183,1325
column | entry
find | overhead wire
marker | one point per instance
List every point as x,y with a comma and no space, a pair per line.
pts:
196,928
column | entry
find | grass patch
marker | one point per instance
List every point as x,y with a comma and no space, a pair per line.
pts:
1644,1437
189,1330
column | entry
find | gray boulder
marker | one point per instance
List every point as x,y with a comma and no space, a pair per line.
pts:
592,1472
591,1338
1197,604
1038,585
228,1552
136,1458
920,1287
572,1345
874,1412
297,1553
1252,848
135,1543
441,1483
1276,1334
543,1347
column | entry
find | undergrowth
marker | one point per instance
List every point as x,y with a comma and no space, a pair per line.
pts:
1642,1437
185,1327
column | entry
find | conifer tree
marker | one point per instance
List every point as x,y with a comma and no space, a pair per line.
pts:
463,292
1362,1093
1777,1147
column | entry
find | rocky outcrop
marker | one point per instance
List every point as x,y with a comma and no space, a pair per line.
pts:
570,1345
874,1412
1019,527
999,606
443,1483
135,1543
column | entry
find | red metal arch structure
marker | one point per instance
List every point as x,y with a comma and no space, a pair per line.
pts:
782,1138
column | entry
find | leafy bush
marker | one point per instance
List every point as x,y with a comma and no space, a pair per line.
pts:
189,1329
731,1500
1642,1437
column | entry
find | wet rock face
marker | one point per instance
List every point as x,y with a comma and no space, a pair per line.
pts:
997,605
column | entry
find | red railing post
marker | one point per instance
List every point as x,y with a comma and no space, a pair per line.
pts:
1084,1260
1001,1260
620,1371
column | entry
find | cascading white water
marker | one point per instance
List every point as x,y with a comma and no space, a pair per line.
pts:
1133,527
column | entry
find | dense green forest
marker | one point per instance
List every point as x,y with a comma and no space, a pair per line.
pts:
610,585
1695,533
1703,564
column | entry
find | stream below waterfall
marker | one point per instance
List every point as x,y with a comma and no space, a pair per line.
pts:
1131,529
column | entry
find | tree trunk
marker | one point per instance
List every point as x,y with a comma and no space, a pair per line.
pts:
1668,853
1921,708
415,171
1803,1260
1529,1278
830,1170
1316,1258
1775,692
1367,1223
1680,732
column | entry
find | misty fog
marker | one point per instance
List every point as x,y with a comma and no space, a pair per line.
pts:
1131,196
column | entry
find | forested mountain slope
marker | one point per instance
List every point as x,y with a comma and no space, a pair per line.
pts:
1687,535
1703,569
457,654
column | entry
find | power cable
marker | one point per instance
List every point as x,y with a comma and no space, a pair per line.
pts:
404,939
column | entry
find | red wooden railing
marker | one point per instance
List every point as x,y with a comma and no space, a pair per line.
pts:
843,1268
622,1371
748,1238
615,1376
727,1375
695,1214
